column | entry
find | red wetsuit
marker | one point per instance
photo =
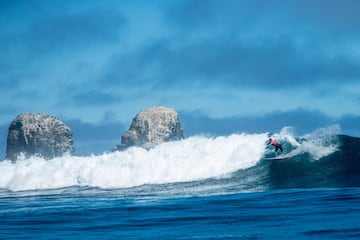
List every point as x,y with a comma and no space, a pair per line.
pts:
276,145
273,142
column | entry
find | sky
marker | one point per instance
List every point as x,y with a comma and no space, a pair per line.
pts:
225,66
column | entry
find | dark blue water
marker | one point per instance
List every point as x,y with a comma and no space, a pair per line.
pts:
76,213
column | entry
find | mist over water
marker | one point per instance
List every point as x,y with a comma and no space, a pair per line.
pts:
197,158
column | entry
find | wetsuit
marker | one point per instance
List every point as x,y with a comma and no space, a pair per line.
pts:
276,145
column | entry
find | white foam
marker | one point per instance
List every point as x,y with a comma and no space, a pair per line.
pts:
192,159
321,142
318,144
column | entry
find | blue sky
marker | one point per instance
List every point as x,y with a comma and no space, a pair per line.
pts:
224,66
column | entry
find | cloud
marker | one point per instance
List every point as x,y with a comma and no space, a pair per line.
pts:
255,43
55,31
334,16
41,39
3,138
75,30
277,16
350,124
241,44
95,138
237,44
232,63
94,97
303,120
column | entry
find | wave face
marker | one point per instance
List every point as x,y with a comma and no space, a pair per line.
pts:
200,164
338,169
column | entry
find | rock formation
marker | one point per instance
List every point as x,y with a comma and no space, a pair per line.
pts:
38,134
151,127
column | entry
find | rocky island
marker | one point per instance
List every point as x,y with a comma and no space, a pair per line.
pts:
152,126
38,134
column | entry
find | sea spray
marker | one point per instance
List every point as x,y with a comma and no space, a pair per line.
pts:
318,144
321,142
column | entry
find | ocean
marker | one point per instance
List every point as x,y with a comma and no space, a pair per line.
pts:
197,188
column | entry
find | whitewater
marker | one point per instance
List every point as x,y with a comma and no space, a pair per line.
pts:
193,159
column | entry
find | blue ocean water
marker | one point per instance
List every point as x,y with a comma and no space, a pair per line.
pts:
198,188
75,213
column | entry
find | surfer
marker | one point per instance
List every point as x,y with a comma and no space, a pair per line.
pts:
275,144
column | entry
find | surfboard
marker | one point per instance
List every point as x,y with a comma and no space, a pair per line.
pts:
277,158
280,157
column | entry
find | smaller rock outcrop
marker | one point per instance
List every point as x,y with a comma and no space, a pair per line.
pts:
151,127
38,134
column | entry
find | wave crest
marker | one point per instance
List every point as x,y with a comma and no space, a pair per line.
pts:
191,159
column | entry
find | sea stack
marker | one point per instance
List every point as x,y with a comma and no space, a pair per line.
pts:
152,126
38,134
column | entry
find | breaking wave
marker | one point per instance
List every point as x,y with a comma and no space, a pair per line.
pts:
227,162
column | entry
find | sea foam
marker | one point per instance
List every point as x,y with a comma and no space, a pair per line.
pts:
194,158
